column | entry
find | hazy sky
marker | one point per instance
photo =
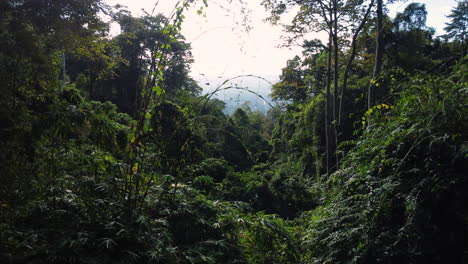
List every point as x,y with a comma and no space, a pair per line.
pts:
221,47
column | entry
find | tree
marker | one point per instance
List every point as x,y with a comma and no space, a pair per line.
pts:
411,39
34,37
379,49
456,28
337,18
352,55
413,17
291,86
117,69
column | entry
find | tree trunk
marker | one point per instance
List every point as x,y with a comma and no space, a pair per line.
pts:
351,58
64,73
327,108
378,55
336,77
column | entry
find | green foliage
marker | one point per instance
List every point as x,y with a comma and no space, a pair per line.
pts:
413,17
456,28
109,155
386,204
268,239
297,139
292,86
411,38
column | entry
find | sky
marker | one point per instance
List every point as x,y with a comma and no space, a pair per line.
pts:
221,47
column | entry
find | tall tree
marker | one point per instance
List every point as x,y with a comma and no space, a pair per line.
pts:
291,85
456,28
379,50
338,18
411,39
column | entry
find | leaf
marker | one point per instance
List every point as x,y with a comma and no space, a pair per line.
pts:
135,167
158,90
166,31
108,243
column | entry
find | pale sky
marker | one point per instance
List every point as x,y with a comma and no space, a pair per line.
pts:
221,47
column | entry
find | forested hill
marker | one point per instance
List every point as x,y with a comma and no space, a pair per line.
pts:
111,152
236,90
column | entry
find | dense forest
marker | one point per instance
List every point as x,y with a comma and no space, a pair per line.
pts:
111,153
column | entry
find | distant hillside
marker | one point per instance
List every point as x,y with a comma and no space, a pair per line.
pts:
254,89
